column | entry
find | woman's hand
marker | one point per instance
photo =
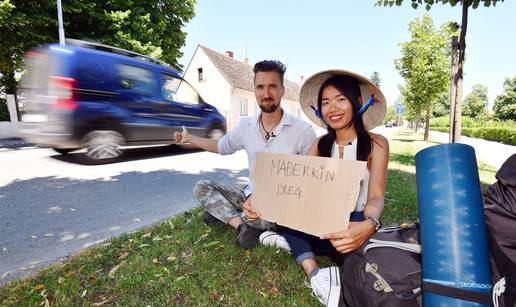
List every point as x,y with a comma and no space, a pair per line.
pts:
250,212
352,238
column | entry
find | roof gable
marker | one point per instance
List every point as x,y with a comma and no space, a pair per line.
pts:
240,74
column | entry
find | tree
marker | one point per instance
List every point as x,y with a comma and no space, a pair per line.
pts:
442,104
475,103
375,77
424,65
390,115
457,74
505,104
151,27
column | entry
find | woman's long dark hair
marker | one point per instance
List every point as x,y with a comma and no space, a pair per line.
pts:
349,87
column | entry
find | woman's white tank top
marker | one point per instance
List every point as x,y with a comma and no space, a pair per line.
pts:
350,153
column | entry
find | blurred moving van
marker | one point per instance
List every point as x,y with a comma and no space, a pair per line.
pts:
102,98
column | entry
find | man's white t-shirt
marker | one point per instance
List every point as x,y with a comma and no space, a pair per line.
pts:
291,136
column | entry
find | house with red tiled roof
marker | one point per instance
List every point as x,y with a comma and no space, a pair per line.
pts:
227,84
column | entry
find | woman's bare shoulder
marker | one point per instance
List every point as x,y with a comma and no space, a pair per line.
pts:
380,140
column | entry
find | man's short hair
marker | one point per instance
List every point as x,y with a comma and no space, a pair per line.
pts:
271,65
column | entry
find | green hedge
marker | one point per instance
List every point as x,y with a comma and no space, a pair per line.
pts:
468,122
506,135
4,112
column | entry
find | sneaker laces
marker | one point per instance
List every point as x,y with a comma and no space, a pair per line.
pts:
314,294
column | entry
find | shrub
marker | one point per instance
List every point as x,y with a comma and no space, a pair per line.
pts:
4,111
506,135
443,121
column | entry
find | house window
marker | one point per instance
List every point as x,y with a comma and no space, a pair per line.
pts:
243,106
199,74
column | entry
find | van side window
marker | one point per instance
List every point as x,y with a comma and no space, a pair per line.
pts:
178,90
136,79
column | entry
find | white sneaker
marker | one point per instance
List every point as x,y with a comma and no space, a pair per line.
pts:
326,286
272,238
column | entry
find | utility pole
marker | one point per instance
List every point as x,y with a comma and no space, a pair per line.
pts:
60,21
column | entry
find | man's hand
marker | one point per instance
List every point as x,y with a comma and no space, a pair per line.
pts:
352,238
181,137
250,212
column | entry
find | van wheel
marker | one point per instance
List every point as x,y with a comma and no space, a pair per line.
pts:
103,146
216,134
64,151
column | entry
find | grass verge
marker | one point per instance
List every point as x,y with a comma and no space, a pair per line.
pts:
184,262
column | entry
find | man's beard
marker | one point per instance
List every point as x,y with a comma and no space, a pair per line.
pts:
268,108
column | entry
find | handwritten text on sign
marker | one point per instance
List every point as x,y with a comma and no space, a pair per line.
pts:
286,168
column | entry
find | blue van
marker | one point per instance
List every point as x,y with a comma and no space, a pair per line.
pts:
101,98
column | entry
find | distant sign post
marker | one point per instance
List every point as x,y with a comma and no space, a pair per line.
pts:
400,108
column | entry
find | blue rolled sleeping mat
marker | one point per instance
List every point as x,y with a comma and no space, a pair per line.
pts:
455,260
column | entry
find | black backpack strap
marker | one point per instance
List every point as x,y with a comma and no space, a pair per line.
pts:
462,294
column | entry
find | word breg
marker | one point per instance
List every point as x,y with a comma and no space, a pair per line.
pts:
288,190
291,169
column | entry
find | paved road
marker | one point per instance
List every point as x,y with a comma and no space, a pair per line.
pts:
51,206
492,153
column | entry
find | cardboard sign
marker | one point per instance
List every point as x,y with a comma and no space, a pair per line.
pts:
312,194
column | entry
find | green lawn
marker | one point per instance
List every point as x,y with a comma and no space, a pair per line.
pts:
184,262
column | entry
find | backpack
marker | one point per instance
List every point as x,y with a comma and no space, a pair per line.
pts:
500,214
385,270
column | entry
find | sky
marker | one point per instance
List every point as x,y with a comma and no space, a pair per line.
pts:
310,36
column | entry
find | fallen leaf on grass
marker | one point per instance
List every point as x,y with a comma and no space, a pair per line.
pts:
143,245
100,303
123,256
113,271
171,258
84,293
60,280
180,278
39,287
148,234
155,260
274,291
157,238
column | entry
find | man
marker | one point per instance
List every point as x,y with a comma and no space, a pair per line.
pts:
273,130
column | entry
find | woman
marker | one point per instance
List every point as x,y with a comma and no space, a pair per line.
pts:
348,105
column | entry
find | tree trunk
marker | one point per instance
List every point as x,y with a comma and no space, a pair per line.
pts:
453,87
9,83
416,122
427,124
456,128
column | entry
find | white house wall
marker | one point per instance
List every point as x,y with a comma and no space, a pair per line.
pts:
237,97
214,88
